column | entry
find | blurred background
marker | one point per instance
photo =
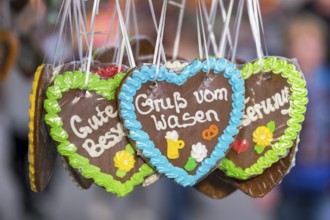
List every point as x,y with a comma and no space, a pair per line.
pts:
294,29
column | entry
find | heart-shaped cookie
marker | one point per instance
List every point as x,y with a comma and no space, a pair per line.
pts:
8,52
276,98
42,149
84,122
215,187
166,115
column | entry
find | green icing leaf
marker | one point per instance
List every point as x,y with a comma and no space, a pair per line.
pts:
130,149
121,173
271,126
259,149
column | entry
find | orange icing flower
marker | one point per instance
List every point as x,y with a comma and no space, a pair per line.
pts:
124,161
262,136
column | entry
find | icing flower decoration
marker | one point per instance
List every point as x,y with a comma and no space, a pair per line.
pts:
124,161
198,152
175,65
263,136
197,155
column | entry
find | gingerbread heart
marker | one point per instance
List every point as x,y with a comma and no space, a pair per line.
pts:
8,52
84,123
42,150
262,184
215,187
276,98
167,113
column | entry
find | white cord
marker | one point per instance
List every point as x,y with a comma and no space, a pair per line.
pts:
125,36
122,47
179,29
237,31
222,47
160,36
225,15
153,15
254,22
90,49
210,19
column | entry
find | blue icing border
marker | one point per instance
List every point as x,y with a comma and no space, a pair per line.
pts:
142,141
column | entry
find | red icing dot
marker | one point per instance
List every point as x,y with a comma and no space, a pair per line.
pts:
108,72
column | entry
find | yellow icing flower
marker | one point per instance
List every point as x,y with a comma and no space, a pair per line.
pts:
124,161
262,136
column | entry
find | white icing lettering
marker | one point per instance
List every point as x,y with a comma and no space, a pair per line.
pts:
210,96
94,123
83,131
255,112
187,120
106,141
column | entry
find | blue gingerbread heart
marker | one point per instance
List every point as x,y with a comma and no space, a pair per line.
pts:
183,122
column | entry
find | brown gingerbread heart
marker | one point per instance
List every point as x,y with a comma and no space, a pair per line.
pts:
42,149
83,121
167,111
276,98
215,187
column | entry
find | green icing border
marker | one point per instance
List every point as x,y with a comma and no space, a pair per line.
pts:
107,89
299,101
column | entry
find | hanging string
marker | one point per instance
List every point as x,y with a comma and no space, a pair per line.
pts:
262,28
254,22
225,15
63,14
118,41
179,28
122,48
77,30
71,33
136,29
125,36
237,29
81,31
80,26
160,36
199,38
222,47
201,20
153,15
111,26
90,49
210,21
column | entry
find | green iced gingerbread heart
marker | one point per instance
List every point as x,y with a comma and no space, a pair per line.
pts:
279,147
106,89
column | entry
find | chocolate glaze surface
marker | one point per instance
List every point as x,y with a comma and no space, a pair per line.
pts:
84,104
258,90
191,135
